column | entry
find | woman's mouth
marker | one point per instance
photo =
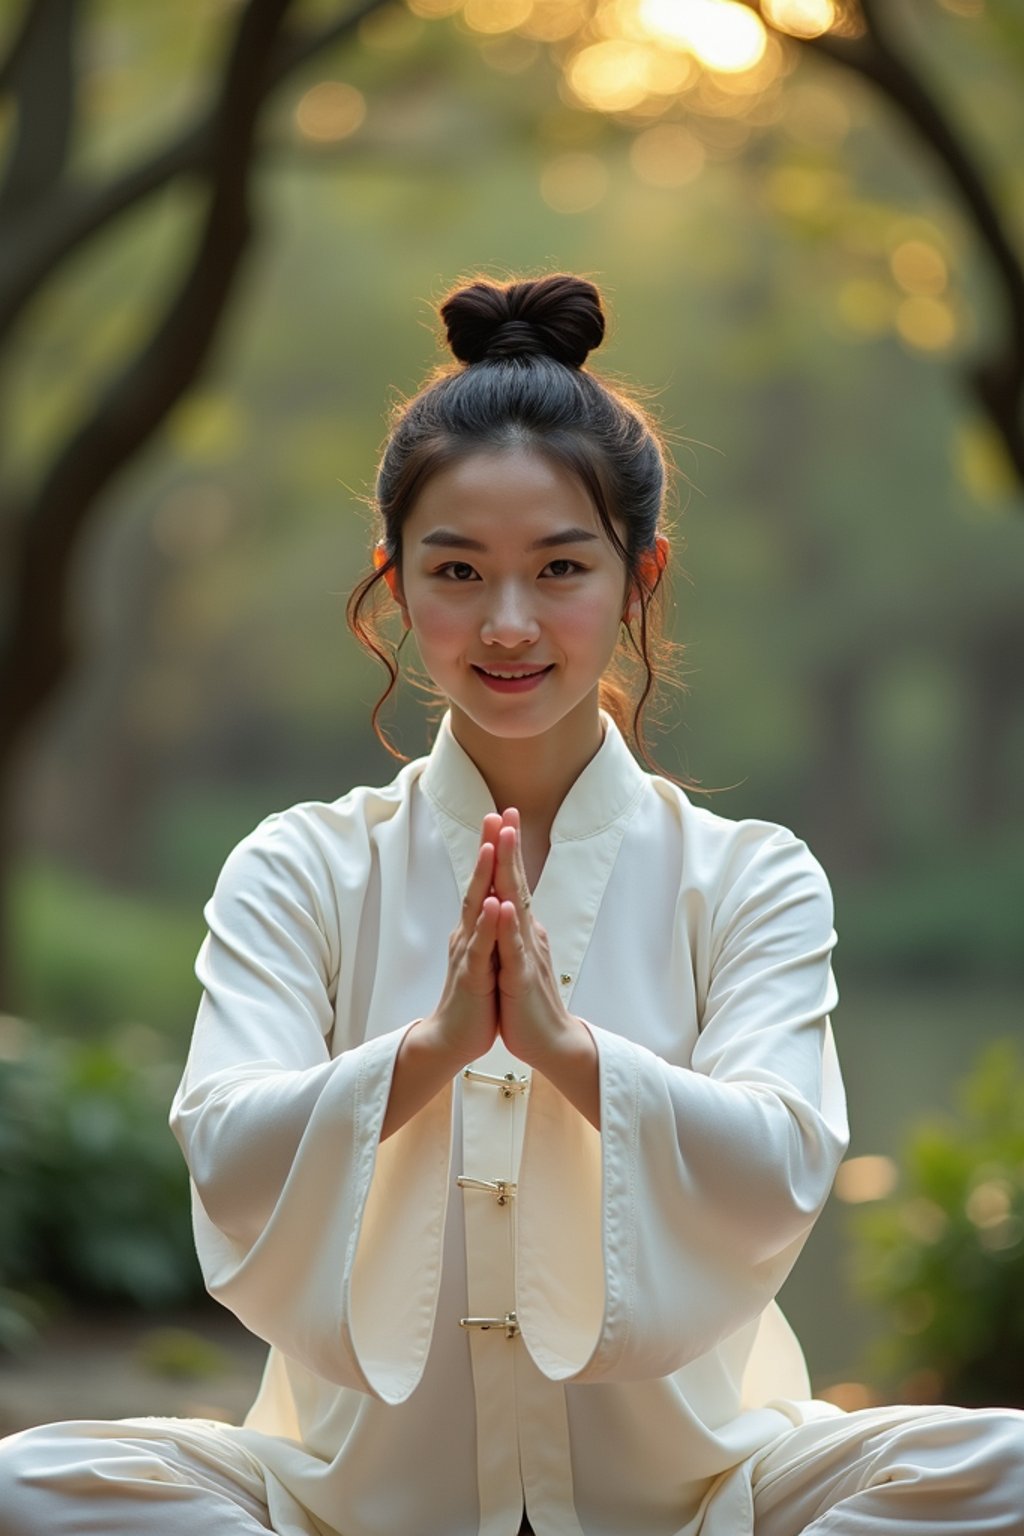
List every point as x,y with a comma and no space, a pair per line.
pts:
511,679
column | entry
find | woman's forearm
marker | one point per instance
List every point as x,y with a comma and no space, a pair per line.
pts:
423,1066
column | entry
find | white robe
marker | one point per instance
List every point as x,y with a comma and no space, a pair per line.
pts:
645,1361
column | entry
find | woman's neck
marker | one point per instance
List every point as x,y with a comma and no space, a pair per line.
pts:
532,773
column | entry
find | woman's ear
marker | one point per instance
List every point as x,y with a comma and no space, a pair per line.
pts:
650,567
393,579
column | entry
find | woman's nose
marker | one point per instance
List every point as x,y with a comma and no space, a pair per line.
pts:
509,619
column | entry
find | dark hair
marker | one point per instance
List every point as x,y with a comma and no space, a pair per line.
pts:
520,381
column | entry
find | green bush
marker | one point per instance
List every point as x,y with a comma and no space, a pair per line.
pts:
93,1188
944,1257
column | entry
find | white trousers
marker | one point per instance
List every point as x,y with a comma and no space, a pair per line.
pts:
877,1472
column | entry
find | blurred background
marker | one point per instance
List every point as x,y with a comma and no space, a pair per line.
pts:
223,229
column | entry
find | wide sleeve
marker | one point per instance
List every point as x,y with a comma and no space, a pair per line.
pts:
643,1246
302,1218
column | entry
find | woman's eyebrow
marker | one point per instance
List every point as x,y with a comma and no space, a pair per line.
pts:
448,539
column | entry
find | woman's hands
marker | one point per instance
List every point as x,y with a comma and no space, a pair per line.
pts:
464,1024
533,1020
466,1018
499,979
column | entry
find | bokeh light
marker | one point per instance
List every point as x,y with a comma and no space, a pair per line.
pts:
924,323
866,1178
610,76
330,111
990,1202
800,18
723,35
496,15
552,20
919,267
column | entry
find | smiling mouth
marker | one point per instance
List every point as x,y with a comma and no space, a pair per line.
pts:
510,675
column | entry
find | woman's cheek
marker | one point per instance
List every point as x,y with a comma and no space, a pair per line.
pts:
436,623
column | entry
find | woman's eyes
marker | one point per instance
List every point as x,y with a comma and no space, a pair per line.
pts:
460,570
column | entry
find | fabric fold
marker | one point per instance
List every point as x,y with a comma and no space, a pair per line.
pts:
322,1241
711,1175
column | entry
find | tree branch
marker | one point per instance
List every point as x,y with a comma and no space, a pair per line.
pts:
39,71
998,380
60,226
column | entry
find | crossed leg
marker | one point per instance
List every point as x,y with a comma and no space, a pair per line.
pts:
132,1477
895,1472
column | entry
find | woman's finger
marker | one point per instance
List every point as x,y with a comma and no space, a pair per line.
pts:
510,880
490,827
511,949
479,883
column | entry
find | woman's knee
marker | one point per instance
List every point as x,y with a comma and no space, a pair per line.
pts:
975,1455
25,1459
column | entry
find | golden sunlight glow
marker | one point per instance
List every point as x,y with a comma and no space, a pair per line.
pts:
496,15
551,20
669,74
668,155
866,1178
919,268
611,76
800,18
723,34
330,111
928,324
756,80
572,183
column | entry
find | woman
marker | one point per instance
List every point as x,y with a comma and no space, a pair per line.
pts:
512,1096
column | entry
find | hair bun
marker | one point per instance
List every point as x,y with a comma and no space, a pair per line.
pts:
558,316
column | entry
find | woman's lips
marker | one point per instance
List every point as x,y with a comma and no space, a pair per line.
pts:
520,682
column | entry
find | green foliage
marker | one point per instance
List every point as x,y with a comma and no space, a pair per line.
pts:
93,1189
88,955
945,1257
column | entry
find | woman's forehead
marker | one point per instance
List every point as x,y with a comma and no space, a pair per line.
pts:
513,495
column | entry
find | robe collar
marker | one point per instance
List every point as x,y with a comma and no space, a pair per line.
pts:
607,788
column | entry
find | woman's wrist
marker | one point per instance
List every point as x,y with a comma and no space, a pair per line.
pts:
425,1063
433,1050
570,1062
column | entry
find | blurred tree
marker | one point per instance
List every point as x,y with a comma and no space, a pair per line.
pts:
48,215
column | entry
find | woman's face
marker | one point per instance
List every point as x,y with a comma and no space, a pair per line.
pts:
513,591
